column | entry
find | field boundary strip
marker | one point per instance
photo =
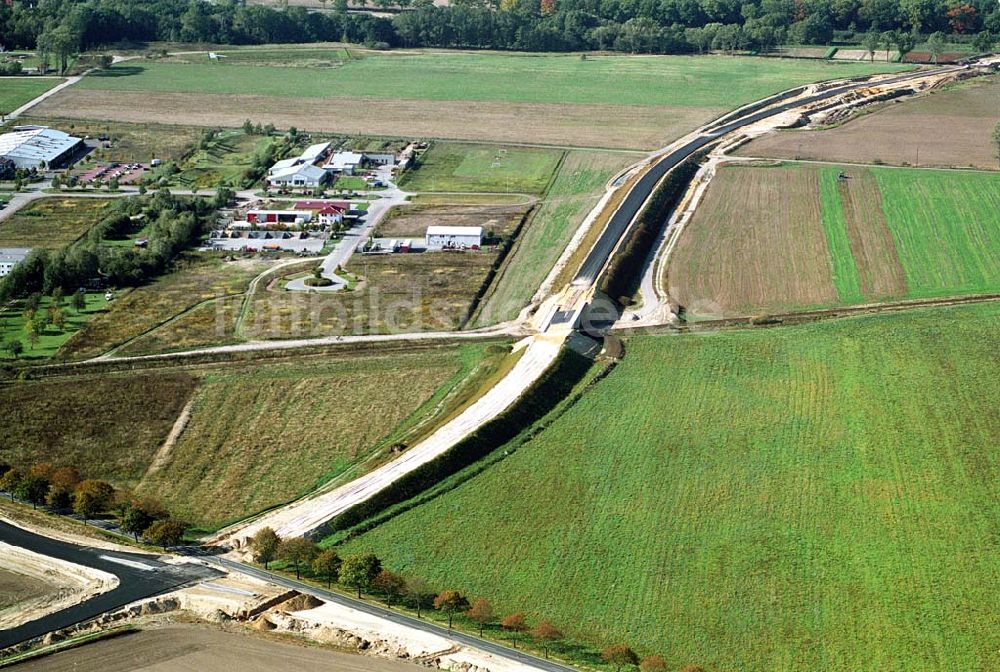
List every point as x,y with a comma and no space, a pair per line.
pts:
843,266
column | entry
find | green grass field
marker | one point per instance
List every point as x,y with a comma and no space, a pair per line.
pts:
16,91
844,271
490,168
946,227
52,223
223,162
618,80
576,189
819,497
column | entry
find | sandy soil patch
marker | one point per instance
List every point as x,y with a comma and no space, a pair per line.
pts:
16,588
412,221
756,244
182,648
62,584
949,128
610,126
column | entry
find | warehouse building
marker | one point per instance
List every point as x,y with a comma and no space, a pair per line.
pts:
40,147
453,237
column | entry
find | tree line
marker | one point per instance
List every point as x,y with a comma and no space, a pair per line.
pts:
364,573
63,489
172,225
60,28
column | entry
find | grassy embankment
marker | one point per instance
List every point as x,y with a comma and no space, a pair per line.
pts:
576,189
284,427
814,497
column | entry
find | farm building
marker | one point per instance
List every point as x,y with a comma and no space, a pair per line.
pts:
40,147
328,213
302,175
345,162
266,218
11,257
453,237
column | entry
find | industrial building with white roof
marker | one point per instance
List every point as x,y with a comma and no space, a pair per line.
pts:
39,147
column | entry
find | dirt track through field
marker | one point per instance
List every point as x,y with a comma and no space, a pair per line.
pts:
609,126
755,244
185,648
874,251
950,128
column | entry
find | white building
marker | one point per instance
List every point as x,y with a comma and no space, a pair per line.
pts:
453,237
11,257
303,175
314,153
345,162
277,218
39,147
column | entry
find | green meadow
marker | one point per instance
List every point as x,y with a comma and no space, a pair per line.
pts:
16,91
818,497
686,81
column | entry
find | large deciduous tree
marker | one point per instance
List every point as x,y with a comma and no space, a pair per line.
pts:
264,545
358,571
451,602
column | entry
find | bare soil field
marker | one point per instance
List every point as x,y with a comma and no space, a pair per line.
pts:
947,128
621,126
181,648
756,243
16,588
412,221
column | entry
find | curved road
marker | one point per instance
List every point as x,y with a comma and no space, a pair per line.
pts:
643,189
139,576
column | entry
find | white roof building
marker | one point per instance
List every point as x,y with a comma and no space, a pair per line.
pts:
33,146
345,162
282,165
314,152
453,237
303,175
11,257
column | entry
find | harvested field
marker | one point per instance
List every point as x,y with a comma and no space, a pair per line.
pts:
577,188
756,243
820,497
431,291
51,223
287,428
621,126
178,648
950,128
197,277
411,221
106,426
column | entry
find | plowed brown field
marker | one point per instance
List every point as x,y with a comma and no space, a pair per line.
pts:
882,275
949,128
756,243
611,126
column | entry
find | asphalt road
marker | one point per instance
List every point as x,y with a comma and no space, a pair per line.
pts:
640,192
374,609
134,583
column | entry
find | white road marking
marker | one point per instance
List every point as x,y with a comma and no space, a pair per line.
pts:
128,563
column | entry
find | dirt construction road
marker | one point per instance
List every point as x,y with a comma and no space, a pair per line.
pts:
179,648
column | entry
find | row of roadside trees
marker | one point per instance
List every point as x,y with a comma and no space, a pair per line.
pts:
64,490
364,573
